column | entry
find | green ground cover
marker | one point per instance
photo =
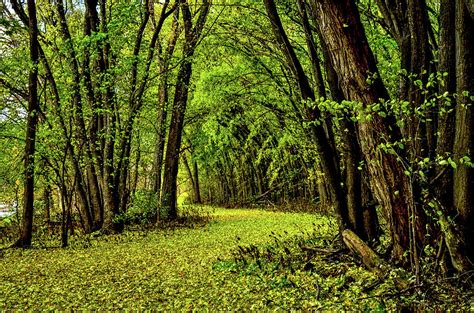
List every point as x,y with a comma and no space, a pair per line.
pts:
240,259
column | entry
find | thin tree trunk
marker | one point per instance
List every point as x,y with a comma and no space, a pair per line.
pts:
163,102
197,188
190,173
48,203
31,126
168,210
324,145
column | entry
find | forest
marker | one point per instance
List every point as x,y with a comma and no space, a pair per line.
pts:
196,155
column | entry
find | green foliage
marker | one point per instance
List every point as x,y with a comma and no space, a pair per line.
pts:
143,210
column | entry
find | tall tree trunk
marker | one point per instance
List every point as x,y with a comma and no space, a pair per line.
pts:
447,66
363,219
409,24
168,210
93,155
121,190
86,206
163,102
31,125
350,54
160,136
464,139
324,145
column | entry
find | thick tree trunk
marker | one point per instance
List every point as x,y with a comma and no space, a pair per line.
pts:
168,210
363,217
446,128
464,139
31,126
350,54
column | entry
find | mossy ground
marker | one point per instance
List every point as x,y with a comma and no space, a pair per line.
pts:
214,266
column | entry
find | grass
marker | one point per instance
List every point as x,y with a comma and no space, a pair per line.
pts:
200,268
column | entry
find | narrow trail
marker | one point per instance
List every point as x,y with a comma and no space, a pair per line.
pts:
165,269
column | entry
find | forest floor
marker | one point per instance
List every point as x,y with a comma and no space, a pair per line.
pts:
239,259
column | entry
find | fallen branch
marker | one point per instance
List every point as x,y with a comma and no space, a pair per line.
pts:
370,259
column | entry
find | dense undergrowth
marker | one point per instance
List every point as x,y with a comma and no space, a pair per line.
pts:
231,259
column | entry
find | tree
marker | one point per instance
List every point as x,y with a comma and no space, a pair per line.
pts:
349,52
192,34
464,135
321,135
31,127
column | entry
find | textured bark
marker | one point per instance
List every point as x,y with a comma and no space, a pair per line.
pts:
363,218
163,99
408,22
443,184
168,210
352,157
343,33
31,126
324,146
80,132
463,141
370,259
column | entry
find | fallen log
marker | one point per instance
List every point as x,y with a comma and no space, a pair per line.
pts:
370,259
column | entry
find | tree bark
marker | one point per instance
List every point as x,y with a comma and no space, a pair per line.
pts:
168,210
362,216
197,190
163,102
447,120
370,259
31,126
409,24
324,145
350,54
464,139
